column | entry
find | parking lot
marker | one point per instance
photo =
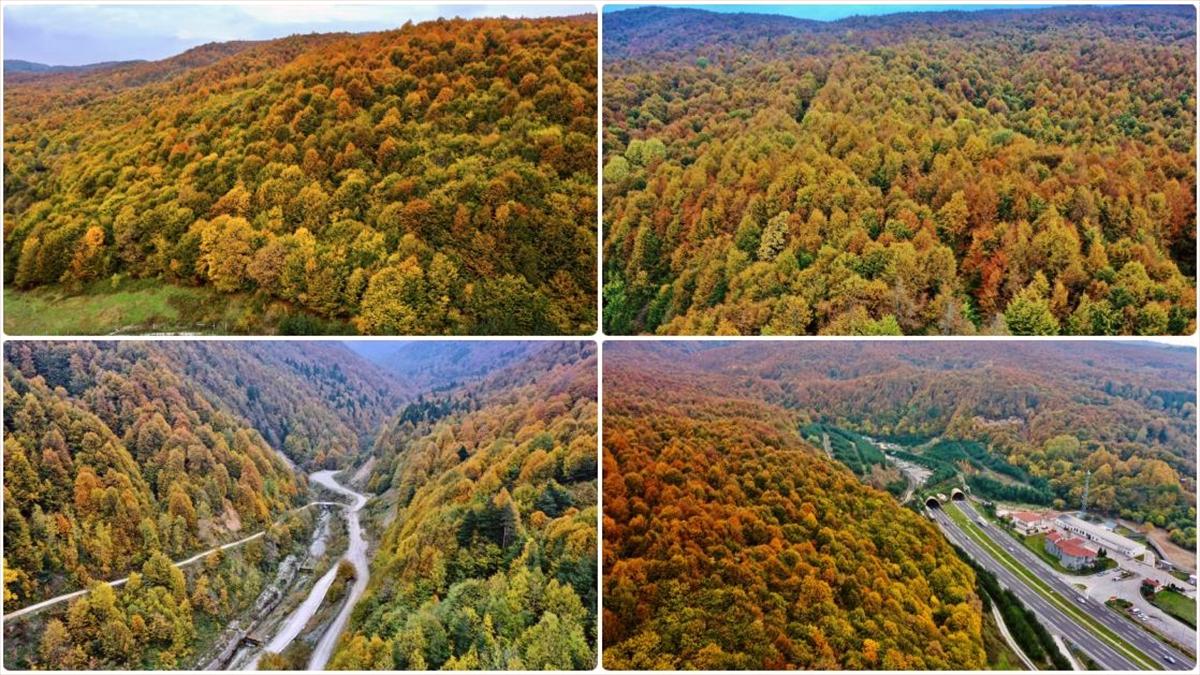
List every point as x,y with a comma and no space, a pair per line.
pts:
1101,587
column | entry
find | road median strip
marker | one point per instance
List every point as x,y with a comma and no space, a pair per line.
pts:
1052,596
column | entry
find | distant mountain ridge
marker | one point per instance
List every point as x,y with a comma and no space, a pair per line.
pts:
417,365
113,77
643,29
32,67
638,30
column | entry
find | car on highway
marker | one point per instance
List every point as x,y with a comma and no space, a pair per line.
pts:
1082,600
1169,659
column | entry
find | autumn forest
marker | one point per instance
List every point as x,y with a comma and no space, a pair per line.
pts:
881,337
761,509
439,178
182,505
1024,171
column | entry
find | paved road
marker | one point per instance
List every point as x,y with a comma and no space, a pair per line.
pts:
1104,586
1118,624
120,582
914,473
1055,620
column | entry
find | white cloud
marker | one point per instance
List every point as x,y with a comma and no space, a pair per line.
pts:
75,34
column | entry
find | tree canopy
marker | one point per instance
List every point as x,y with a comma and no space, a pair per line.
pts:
109,458
438,178
730,543
1026,172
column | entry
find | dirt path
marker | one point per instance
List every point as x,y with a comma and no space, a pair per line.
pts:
178,563
356,554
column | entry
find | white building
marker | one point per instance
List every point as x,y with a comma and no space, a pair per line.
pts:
1104,538
1028,522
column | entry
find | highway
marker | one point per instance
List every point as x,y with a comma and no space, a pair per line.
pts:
1131,633
1054,619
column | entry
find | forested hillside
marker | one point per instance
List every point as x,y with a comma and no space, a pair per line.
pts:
438,178
423,365
112,457
730,543
317,402
489,560
120,457
1020,171
1126,411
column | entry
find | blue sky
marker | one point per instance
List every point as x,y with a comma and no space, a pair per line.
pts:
832,12
72,35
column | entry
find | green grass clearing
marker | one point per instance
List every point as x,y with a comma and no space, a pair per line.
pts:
142,306
104,308
1048,593
1177,605
1036,543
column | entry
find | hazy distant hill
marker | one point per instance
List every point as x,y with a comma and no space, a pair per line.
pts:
19,66
631,32
417,365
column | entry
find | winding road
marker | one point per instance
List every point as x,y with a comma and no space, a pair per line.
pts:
356,554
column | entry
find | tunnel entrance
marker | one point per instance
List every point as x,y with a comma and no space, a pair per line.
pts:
932,502
958,495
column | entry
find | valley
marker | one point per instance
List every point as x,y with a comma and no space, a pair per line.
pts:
280,589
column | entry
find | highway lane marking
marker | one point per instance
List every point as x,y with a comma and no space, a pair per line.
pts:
1055,617
1051,595
1147,642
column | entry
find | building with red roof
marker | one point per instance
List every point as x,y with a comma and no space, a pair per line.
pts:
1072,552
